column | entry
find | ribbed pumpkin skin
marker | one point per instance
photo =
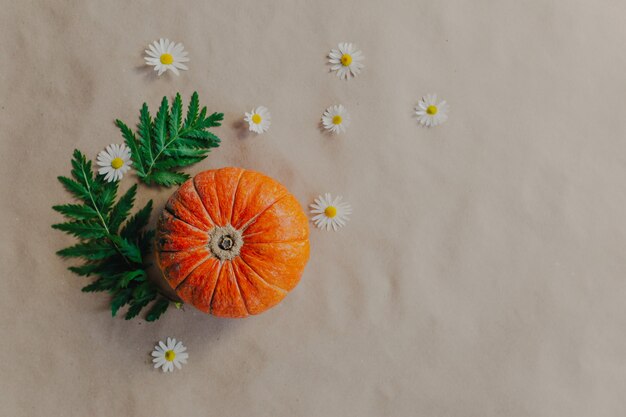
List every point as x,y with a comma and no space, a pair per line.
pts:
232,242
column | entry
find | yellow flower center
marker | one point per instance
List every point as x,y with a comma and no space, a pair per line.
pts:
337,120
117,163
346,59
256,119
331,211
167,59
432,110
170,355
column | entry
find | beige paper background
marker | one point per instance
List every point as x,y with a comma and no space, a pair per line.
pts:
482,274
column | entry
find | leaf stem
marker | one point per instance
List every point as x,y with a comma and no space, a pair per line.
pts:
172,140
104,223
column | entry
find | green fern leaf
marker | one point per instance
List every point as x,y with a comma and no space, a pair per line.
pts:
130,250
167,164
192,110
121,298
160,123
168,138
145,133
116,258
82,229
92,250
157,309
136,275
86,269
176,116
131,142
120,211
98,285
168,178
76,211
137,222
77,190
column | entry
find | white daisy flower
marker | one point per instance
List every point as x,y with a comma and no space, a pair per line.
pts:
336,119
346,60
259,119
165,55
114,162
430,112
329,213
166,355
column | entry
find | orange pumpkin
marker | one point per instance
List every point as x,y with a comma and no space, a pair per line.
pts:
232,242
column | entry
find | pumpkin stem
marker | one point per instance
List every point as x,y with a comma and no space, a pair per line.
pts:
225,242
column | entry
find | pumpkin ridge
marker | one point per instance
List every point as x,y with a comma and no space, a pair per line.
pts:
182,250
261,276
187,223
232,204
230,264
191,272
253,220
275,241
236,285
189,206
217,281
271,242
195,188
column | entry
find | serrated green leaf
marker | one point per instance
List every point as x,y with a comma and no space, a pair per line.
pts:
93,250
200,118
145,132
136,275
77,190
131,142
81,169
160,124
192,110
130,250
82,229
143,291
76,211
121,298
176,116
137,222
157,309
86,269
101,284
167,164
176,153
139,304
168,178
122,208
213,120
106,193
194,143
205,135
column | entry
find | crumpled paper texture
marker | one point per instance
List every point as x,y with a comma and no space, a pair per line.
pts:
482,273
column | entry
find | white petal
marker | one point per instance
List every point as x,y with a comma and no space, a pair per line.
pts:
177,49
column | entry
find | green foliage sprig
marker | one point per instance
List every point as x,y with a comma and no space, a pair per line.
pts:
113,244
166,143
